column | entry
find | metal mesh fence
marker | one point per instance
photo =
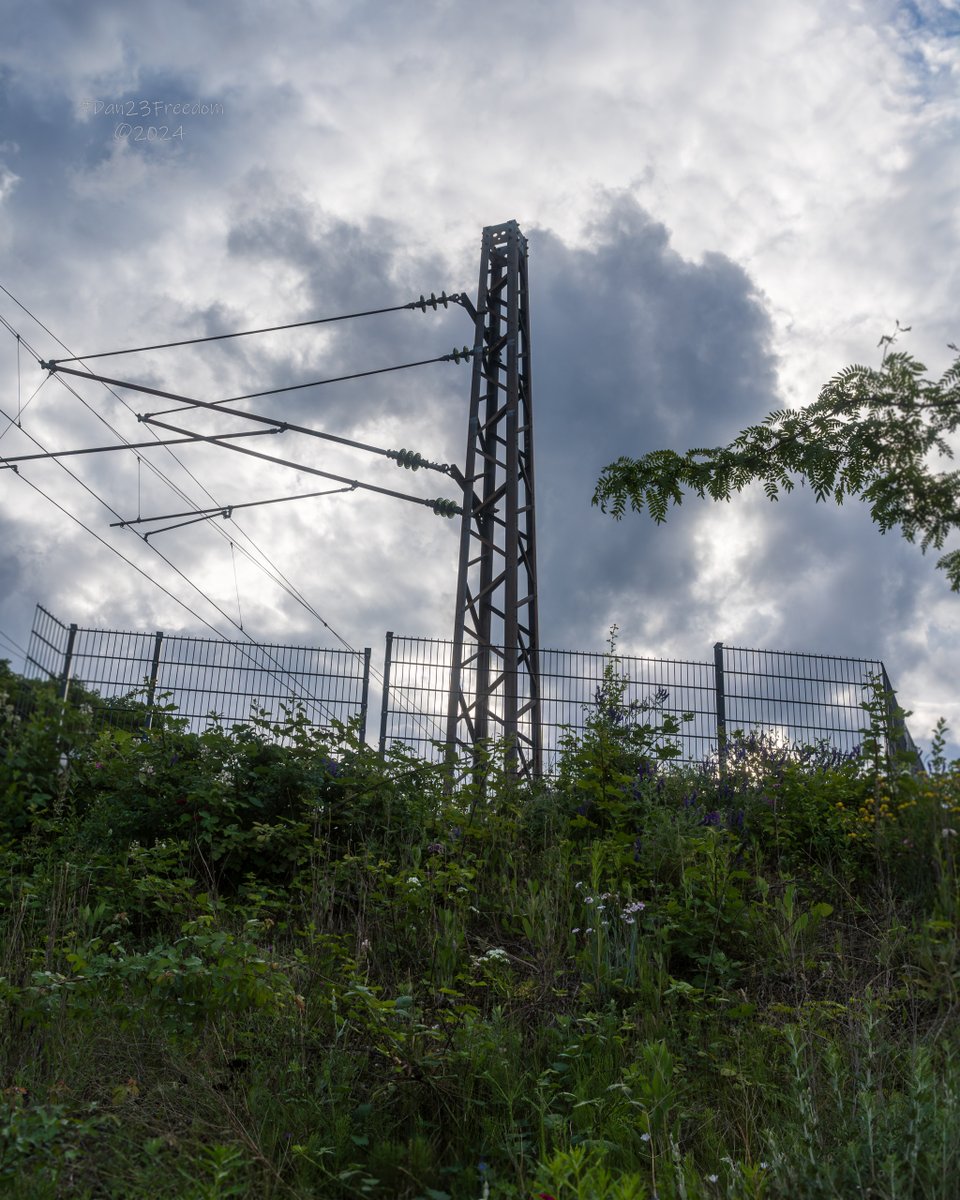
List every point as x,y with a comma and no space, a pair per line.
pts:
416,682
206,679
796,699
417,678
571,683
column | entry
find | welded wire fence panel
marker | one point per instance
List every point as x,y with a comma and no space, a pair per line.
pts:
203,678
417,675
47,648
797,698
416,682
572,687
230,679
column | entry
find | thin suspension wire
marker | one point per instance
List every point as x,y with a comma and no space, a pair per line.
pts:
271,570
188,439
18,424
236,584
53,365
263,563
220,337
315,699
5,637
119,553
226,511
196,587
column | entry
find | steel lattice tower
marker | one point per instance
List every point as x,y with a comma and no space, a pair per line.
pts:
495,678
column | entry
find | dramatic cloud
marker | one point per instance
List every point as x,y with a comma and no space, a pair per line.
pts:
725,205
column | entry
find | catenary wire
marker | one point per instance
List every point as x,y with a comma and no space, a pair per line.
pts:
263,562
14,645
273,572
422,304
455,356
173,567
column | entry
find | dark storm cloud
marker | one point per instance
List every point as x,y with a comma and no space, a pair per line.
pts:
637,349
634,349
345,267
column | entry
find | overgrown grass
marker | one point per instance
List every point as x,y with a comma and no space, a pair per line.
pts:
263,963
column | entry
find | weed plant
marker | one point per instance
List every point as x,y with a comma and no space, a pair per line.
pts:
263,961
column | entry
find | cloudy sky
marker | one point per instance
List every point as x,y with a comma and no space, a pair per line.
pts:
725,205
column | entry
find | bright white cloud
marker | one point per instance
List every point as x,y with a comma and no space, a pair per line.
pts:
797,165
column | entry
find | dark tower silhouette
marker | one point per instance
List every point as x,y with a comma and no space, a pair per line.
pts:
495,681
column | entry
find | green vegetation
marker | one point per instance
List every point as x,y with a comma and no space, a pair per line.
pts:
259,962
869,434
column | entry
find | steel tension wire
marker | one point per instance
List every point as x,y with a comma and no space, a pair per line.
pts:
276,577
450,469
447,508
422,304
191,437
223,510
455,356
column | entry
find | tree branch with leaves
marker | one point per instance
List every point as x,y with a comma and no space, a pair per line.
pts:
872,433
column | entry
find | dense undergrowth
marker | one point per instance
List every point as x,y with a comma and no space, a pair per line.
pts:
260,962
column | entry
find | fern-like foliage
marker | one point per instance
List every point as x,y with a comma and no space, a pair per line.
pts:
872,433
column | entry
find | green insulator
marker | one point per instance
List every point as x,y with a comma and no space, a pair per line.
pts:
445,508
462,355
411,459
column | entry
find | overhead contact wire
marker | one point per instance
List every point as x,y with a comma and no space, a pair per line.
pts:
54,365
264,563
186,579
422,304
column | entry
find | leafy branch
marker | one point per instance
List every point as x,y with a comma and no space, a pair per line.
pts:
870,433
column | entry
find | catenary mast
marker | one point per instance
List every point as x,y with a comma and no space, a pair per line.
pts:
495,677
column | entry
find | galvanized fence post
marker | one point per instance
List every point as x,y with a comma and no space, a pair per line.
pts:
899,740
154,672
364,695
68,662
385,699
721,702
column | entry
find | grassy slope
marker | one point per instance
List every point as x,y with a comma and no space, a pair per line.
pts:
233,969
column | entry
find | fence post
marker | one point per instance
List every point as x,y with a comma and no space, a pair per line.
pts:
67,662
364,695
154,672
721,703
385,700
899,740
